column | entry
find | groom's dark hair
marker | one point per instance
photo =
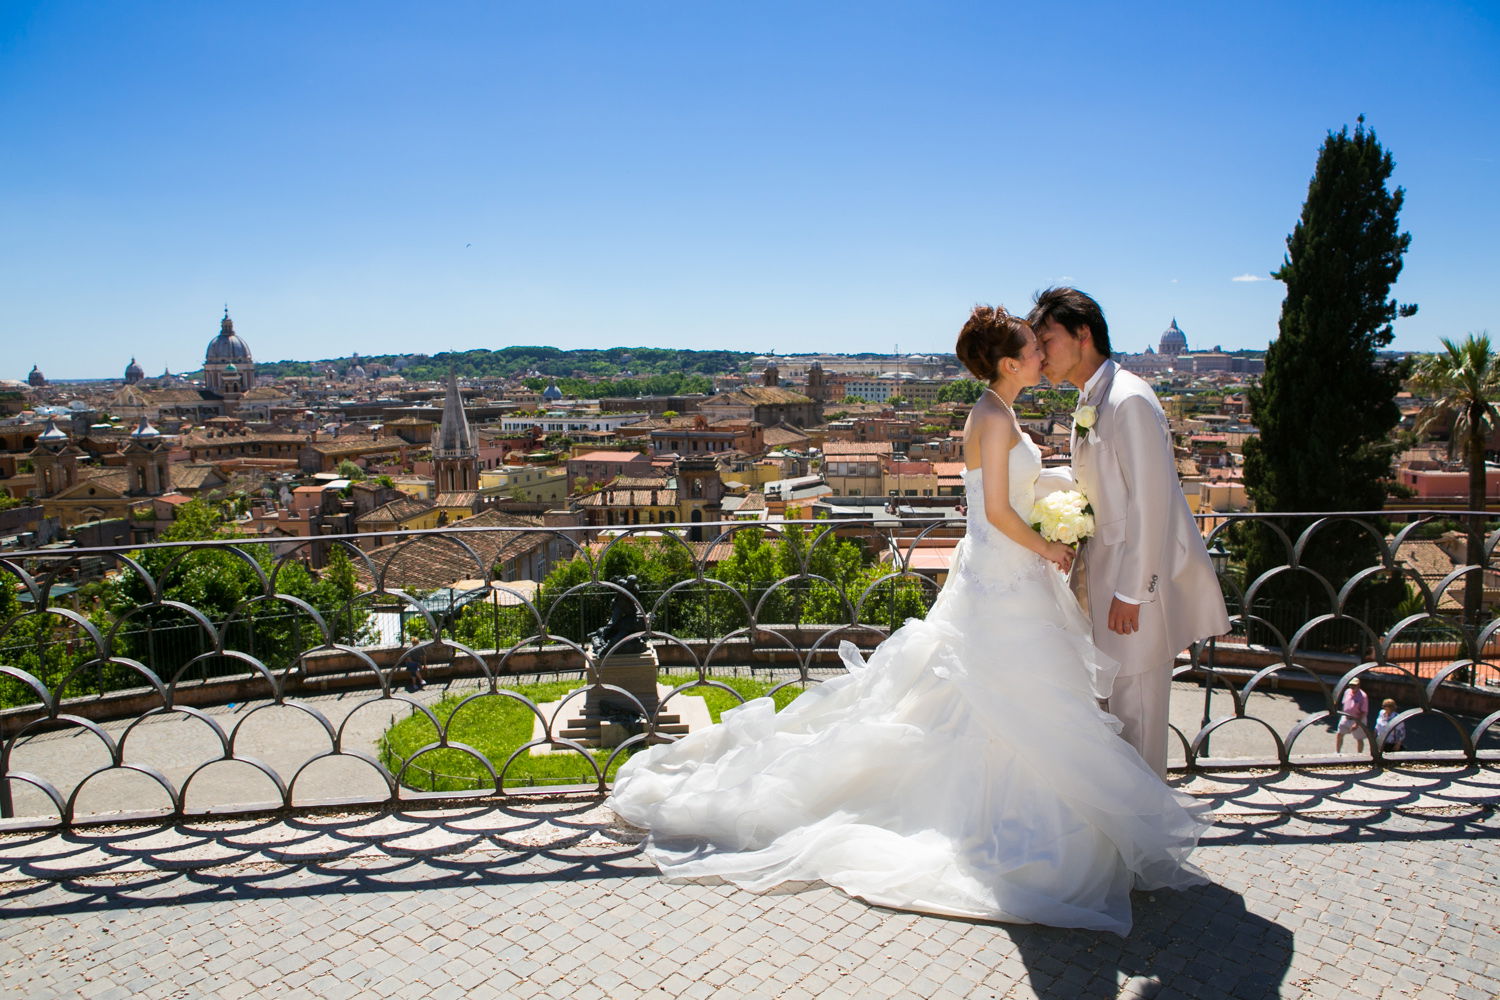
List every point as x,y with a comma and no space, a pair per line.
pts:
1072,310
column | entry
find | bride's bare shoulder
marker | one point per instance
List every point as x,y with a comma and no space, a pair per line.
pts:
990,419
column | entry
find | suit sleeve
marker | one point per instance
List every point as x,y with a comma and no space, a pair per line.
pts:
1144,452
1058,478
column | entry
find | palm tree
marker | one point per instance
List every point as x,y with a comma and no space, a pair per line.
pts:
1463,381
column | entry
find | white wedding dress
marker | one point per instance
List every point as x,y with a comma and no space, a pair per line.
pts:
966,770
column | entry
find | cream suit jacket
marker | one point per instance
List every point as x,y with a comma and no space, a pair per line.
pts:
1146,545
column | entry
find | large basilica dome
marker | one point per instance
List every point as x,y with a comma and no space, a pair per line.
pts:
228,367
1173,341
227,346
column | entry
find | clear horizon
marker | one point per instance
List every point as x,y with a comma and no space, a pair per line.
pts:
850,177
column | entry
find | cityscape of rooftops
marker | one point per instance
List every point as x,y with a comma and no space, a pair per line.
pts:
291,242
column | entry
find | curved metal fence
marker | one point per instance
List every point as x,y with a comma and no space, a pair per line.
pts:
243,674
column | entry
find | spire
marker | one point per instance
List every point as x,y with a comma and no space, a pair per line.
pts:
454,439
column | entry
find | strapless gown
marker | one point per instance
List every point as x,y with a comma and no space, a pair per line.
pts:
965,770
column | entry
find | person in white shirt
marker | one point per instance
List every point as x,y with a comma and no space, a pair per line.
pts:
1390,733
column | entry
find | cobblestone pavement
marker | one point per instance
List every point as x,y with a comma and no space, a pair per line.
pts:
1334,883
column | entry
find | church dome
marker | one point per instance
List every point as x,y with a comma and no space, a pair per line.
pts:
552,392
1173,341
227,346
144,431
36,377
134,372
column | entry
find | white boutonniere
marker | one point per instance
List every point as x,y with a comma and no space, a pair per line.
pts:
1083,421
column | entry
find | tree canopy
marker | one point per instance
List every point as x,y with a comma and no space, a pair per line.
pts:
1326,404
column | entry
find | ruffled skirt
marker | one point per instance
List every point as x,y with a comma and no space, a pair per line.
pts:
966,770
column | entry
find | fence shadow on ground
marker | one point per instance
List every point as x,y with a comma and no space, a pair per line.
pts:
150,864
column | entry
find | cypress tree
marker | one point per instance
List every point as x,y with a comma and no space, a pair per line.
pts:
1325,407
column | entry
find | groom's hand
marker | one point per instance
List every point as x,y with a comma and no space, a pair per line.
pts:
1124,618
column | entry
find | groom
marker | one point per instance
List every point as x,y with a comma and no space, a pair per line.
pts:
1146,580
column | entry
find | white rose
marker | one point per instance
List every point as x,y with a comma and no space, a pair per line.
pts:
1085,416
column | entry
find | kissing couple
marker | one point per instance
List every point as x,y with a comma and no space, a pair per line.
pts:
968,768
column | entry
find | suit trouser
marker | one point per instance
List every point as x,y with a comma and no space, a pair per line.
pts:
1139,700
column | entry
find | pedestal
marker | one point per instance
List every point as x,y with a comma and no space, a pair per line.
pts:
610,718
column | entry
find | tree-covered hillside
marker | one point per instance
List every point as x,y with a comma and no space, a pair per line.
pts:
509,362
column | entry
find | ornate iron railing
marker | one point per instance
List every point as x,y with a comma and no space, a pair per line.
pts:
225,675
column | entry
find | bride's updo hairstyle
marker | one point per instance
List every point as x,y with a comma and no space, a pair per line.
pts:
990,335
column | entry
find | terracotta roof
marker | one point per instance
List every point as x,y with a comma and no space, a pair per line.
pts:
618,457
461,498
431,561
159,396
615,496
361,446
205,441
396,511
759,395
192,475
781,436
833,448
116,479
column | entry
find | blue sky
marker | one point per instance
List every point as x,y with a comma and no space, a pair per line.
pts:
381,177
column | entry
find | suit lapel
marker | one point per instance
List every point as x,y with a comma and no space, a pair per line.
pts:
1083,448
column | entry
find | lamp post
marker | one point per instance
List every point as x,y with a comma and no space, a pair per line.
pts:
1219,556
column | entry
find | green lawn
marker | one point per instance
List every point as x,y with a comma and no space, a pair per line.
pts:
496,725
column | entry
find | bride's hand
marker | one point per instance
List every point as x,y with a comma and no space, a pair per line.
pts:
1060,555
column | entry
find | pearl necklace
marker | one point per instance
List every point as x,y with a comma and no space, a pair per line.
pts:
1008,407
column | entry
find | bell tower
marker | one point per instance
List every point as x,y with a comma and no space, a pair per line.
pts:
55,459
816,386
455,457
700,491
150,472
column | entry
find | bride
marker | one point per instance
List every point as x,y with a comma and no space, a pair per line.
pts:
967,769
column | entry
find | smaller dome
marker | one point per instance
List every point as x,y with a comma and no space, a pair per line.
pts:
36,377
134,372
53,434
230,368
552,392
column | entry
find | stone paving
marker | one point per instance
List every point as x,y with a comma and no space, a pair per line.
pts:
1329,883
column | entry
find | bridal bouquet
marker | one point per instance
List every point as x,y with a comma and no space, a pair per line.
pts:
1064,516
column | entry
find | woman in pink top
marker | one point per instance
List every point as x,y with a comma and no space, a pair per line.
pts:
1354,709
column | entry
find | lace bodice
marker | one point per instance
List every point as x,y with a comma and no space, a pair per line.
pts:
992,561
1025,466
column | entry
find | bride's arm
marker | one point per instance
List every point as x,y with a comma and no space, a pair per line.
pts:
997,434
